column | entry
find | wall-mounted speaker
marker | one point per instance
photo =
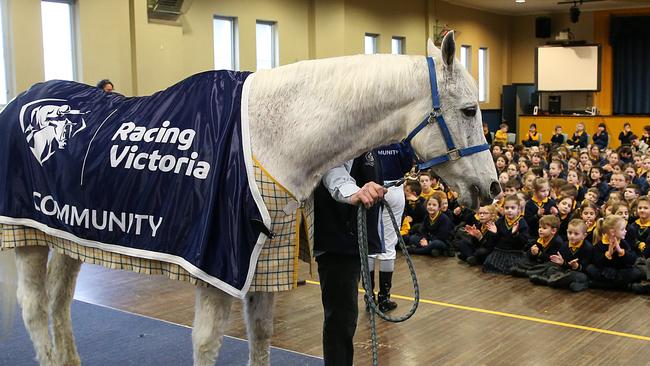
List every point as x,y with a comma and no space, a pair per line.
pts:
542,27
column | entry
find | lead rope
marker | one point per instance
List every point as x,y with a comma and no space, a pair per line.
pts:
365,276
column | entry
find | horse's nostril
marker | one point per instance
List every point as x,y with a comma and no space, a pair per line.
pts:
495,188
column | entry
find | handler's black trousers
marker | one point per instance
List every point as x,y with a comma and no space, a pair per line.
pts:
339,279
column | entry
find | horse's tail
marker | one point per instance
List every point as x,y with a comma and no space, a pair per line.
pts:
8,283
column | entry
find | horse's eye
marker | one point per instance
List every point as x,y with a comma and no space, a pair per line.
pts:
469,111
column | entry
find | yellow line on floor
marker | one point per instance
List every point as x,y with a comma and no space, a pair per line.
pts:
515,316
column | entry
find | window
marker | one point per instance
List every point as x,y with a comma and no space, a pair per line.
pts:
225,43
58,44
371,43
397,46
483,68
4,84
267,45
466,57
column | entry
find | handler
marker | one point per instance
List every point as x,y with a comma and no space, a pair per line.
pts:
336,248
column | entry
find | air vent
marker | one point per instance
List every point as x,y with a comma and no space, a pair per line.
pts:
167,10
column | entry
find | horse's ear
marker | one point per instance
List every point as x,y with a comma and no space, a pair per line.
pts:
432,50
449,49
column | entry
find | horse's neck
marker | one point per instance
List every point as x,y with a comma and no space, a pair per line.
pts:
308,117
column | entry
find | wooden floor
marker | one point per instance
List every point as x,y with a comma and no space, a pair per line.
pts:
466,317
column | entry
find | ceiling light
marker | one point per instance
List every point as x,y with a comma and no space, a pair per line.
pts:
520,1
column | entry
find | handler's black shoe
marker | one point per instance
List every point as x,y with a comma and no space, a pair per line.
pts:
387,305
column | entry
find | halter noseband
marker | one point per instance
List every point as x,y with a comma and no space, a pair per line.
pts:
453,153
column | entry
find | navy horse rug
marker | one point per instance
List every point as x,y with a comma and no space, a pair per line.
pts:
167,177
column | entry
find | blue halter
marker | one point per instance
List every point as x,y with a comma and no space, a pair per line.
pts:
453,153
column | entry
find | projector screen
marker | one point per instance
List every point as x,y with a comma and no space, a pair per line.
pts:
575,68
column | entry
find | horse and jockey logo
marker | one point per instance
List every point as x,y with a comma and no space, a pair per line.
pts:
48,124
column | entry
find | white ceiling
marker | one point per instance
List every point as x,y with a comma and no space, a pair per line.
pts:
545,6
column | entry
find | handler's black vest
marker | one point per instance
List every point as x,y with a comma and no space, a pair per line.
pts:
335,223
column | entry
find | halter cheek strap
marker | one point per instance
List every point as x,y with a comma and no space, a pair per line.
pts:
453,153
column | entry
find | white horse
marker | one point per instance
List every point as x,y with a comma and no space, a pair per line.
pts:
305,118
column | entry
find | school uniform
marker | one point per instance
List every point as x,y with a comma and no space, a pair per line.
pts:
416,210
613,272
625,137
564,276
469,246
437,231
501,137
640,237
537,263
507,248
564,226
601,140
557,139
532,139
578,141
590,233
530,213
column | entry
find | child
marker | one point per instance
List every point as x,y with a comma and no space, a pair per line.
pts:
415,208
592,195
509,239
574,177
435,232
588,212
631,193
538,205
625,137
640,229
579,140
487,134
528,181
473,247
612,265
558,137
501,136
513,171
425,182
555,169
500,163
600,137
569,261
532,138
565,214
547,243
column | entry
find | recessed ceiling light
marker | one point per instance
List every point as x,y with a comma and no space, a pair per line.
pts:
520,1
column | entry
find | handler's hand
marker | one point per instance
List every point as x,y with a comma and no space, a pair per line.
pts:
368,195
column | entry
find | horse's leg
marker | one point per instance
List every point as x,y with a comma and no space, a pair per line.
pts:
62,274
211,313
31,263
259,323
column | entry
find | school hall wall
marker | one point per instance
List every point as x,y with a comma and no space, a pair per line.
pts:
115,40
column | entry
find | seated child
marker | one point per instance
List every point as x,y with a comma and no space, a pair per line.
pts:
612,264
426,182
540,251
414,208
472,242
565,214
558,137
589,213
569,261
509,239
532,138
539,205
501,136
433,237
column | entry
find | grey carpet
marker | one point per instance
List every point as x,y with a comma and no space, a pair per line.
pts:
107,337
